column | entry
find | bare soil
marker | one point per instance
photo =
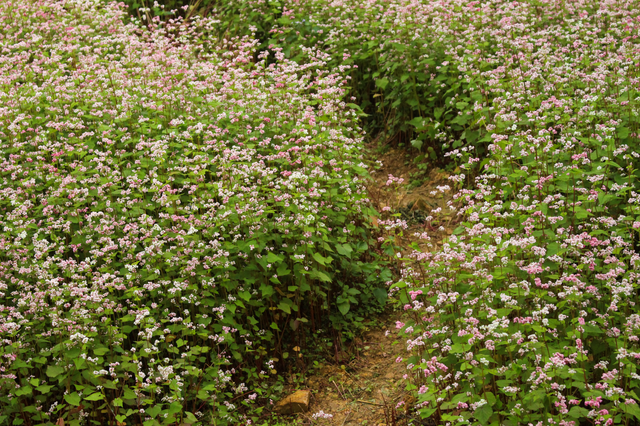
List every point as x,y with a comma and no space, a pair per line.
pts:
367,389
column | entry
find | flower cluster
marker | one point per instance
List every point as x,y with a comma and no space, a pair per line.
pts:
169,207
531,304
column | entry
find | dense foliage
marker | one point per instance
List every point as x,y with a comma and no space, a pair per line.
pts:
180,206
228,19
175,218
529,313
409,65
403,60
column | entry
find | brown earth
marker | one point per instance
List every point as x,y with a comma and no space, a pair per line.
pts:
367,389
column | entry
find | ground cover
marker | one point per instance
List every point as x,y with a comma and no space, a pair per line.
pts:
527,314
179,219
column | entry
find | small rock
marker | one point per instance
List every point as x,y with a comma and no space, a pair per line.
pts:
297,402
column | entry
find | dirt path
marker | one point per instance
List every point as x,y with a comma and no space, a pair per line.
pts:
360,392
419,193
367,389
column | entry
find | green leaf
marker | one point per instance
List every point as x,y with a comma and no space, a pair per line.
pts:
320,259
456,348
97,396
320,275
190,418
272,258
426,412
175,407
282,270
472,135
353,291
382,83
483,414
623,132
73,398
154,411
358,109
285,305
632,409
54,371
73,353
44,389
578,412
458,230
417,144
552,249
592,330
461,119
80,363
24,390
344,307
245,295
581,213
381,295
100,351
344,250
266,290
418,122
129,394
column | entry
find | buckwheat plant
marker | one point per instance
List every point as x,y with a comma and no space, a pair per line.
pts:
528,314
174,215
411,64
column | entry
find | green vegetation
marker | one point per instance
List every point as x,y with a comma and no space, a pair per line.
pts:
177,225
184,206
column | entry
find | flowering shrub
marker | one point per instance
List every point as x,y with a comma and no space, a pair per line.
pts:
253,18
408,59
405,67
172,218
411,62
529,313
